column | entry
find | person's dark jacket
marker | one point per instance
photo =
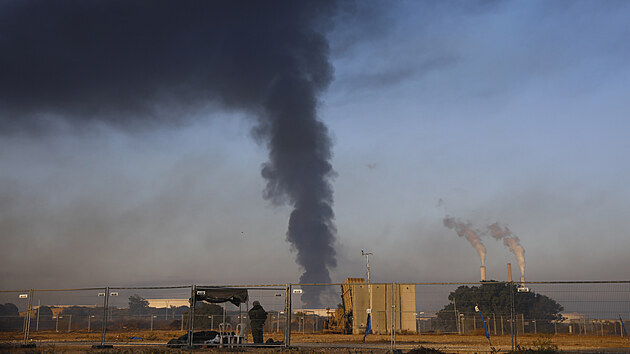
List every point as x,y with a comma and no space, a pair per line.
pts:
257,316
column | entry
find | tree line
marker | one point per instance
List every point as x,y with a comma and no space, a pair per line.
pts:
493,298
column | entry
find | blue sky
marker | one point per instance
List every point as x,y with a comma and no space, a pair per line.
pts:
515,114
509,112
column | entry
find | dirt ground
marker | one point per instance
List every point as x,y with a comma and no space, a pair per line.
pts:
142,341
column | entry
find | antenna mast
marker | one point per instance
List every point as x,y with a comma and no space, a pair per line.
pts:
367,263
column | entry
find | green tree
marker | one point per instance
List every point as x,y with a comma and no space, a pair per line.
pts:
202,313
9,317
45,313
138,305
76,311
495,298
9,309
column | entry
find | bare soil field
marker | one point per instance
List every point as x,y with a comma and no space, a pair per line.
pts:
143,341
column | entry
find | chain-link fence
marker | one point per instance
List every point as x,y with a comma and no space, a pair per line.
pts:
500,315
577,308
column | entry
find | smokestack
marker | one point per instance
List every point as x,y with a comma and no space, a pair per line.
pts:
509,279
482,269
512,242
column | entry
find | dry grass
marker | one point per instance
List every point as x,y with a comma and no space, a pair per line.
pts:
447,343
565,342
83,336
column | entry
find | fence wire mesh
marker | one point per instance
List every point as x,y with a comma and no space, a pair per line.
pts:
355,314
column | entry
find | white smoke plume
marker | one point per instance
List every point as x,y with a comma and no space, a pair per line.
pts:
511,241
464,229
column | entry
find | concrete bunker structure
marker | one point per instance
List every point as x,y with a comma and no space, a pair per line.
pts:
393,306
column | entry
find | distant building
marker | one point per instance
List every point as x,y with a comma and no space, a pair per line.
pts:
317,312
573,316
167,303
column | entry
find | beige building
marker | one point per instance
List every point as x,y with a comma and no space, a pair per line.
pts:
315,312
391,307
168,303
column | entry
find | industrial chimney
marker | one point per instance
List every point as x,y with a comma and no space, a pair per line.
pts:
482,269
509,270
523,288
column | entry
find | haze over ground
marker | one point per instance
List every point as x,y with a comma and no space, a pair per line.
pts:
509,112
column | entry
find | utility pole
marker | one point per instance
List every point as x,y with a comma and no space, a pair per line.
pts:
105,306
459,331
513,326
367,263
39,304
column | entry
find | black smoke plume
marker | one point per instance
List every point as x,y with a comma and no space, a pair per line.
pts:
135,64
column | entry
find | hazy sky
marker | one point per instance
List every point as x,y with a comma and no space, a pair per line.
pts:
513,112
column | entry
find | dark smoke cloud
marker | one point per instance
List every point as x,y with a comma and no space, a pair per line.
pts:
134,64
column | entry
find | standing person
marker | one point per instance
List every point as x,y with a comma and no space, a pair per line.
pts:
257,318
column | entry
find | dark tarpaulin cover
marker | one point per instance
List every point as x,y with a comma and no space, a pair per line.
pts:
218,295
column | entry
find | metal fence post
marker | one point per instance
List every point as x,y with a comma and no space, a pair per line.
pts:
27,320
459,330
39,305
394,298
511,285
391,331
392,317
288,310
191,314
105,308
